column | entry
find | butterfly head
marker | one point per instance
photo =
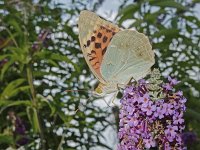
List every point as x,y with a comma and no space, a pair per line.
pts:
99,90
103,89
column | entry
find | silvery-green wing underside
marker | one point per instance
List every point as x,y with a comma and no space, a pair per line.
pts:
129,54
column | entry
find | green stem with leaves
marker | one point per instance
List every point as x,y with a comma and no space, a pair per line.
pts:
34,102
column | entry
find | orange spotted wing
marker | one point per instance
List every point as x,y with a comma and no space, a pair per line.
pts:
95,35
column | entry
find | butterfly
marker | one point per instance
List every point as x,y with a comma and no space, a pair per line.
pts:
114,55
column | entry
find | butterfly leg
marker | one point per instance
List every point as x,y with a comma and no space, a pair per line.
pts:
130,81
121,86
106,102
113,98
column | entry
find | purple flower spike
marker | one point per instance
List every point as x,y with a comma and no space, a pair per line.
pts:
189,137
3,62
147,122
19,129
173,81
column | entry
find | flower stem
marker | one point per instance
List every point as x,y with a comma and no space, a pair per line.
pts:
61,143
34,103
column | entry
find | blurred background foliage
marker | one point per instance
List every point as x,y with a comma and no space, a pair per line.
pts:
40,58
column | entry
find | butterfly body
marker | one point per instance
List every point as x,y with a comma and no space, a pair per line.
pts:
113,55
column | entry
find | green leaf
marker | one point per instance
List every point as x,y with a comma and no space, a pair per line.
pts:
55,56
13,88
5,42
20,54
10,103
40,73
18,90
127,12
189,28
54,63
194,104
129,9
6,139
192,114
167,3
174,22
47,101
161,45
152,17
167,33
191,18
4,104
12,36
195,1
33,118
15,24
137,23
3,56
5,68
70,32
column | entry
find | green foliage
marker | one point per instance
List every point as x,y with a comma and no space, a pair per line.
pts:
173,29
40,58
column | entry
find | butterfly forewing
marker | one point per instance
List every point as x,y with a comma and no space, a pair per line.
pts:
95,35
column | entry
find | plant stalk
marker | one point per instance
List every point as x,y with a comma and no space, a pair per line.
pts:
34,102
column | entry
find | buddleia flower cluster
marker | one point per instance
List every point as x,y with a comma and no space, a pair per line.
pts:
152,115
19,129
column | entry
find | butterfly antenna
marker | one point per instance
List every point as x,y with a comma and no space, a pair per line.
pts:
106,102
89,91
82,105
75,90
76,110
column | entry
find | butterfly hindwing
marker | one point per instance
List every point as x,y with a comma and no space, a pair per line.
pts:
95,35
128,55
